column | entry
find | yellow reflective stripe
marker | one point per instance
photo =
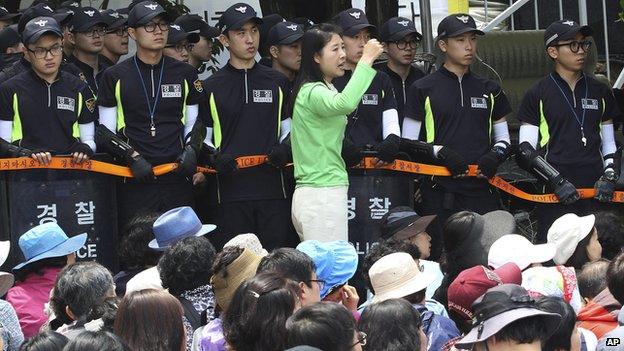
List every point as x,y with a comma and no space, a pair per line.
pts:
604,106
429,123
279,113
491,113
17,122
216,125
543,127
75,128
383,94
186,92
121,119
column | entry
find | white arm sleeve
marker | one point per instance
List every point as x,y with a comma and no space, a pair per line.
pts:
529,133
411,128
208,140
390,122
87,134
6,129
285,128
500,132
608,141
108,117
191,117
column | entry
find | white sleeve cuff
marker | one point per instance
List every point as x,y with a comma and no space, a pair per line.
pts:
285,129
87,134
411,128
390,121
108,117
530,134
192,111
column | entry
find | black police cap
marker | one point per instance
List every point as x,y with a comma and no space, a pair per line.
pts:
457,24
39,26
145,11
285,33
39,10
113,19
193,23
304,21
5,15
71,4
397,28
8,38
85,18
564,30
352,21
177,34
236,16
126,10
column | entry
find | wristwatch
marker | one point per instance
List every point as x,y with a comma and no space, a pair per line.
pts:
610,175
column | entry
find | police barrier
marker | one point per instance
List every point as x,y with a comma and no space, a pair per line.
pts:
80,202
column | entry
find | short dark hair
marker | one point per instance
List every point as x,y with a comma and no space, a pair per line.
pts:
256,318
456,231
45,341
80,286
391,325
289,263
325,325
381,249
133,251
524,331
96,341
150,320
610,228
615,277
37,267
592,279
187,265
560,340
106,310
580,257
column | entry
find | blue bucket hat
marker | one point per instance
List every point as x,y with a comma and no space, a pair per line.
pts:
46,241
336,261
175,225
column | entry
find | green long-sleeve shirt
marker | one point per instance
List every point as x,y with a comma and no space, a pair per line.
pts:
319,121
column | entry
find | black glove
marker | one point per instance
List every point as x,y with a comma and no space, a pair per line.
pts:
566,192
280,155
605,186
488,163
455,162
388,149
351,154
11,150
141,169
81,148
224,163
188,161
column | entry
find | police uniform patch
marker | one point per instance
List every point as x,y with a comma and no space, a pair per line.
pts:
90,103
370,99
65,103
478,102
199,86
263,96
171,90
589,104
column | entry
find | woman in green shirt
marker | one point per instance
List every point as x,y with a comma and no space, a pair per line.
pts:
319,208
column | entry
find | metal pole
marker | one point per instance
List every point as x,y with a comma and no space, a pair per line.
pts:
513,24
582,12
425,25
503,15
560,9
536,15
606,38
485,7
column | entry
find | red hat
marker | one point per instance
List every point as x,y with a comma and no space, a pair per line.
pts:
473,282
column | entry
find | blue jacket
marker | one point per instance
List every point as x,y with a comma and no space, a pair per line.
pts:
439,329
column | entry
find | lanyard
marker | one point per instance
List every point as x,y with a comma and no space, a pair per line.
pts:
152,109
580,121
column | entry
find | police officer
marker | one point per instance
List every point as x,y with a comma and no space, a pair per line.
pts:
115,39
7,18
86,33
180,43
201,51
568,116
152,101
45,110
465,119
268,22
400,39
11,47
285,48
375,121
248,117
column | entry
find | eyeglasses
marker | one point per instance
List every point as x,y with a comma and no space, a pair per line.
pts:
402,45
321,283
151,26
576,45
95,32
361,338
43,52
181,47
121,31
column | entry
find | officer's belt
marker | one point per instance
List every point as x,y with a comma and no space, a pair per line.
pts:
66,163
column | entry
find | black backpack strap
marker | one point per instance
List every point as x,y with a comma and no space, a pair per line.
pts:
191,313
